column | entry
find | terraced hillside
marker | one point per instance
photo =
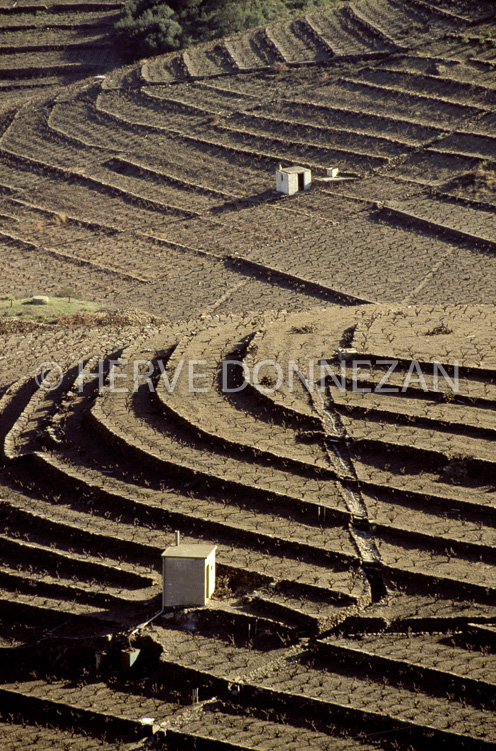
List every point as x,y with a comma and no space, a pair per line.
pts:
51,44
351,493
120,188
355,531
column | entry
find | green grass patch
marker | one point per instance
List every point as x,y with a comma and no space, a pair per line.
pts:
48,313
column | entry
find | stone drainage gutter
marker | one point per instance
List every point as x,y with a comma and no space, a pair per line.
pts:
360,529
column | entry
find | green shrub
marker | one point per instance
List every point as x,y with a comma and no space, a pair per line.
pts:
232,17
150,27
65,292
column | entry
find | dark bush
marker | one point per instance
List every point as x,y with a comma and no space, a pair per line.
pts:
150,27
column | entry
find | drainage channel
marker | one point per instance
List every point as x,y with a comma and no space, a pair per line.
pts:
360,530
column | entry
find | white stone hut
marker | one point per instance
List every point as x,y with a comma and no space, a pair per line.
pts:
290,180
188,575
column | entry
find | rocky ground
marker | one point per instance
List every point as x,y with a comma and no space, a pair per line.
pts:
351,500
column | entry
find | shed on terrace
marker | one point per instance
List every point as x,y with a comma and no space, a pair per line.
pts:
291,180
188,575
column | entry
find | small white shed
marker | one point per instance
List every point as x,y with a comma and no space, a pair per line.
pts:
290,180
188,575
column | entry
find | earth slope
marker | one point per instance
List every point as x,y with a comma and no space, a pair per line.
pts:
355,525
355,529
